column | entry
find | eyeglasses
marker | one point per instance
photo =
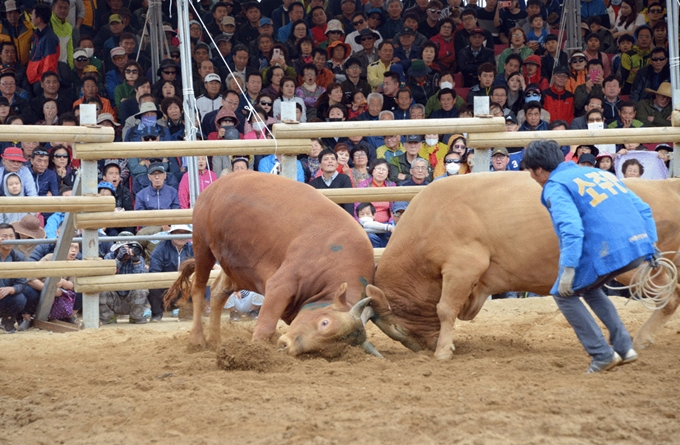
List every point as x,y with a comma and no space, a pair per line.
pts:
8,236
595,119
360,154
656,11
422,167
131,72
149,138
380,169
532,94
359,22
61,156
5,84
459,146
468,18
434,11
266,104
578,60
658,59
81,59
170,73
452,161
595,105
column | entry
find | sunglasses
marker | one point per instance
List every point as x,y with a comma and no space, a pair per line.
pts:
266,104
81,59
532,94
658,59
174,56
656,11
578,60
334,32
452,161
61,156
131,72
358,22
170,73
434,11
149,138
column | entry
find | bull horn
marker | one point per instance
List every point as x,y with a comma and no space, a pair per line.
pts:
370,349
359,308
366,315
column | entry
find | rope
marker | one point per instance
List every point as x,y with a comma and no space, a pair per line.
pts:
643,289
249,106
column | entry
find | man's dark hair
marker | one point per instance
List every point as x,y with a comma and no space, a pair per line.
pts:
321,51
593,62
310,66
595,111
127,36
67,117
446,91
392,75
625,38
228,92
611,78
327,151
533,2
486,67
108,166
383,43
217,5
469,11
355,15
497,87
9,226
595,96
141,81
594,19
89,77
144,96
513,56
558,123
660,49
545,154
531,105
44,12
3,44
47,74
626,103
253,73
294,4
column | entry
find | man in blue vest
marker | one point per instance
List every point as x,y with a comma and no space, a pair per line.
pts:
587,207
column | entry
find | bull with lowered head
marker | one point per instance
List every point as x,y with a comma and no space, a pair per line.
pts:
288,242
465,238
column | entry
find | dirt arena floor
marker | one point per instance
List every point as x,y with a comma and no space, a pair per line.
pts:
517,378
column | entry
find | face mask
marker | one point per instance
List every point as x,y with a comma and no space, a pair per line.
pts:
334,119
148,121
616,2
228,34
258,126
532,99
431,141
452,168
89,52
445,85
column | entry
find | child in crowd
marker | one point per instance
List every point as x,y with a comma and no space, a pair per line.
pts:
537,32
13,187
378,233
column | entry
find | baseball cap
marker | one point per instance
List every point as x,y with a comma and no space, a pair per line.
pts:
510,118
561,70
115,18
222,38
587,157
414,138
407,30
499,151
79,52
185,227
156,167
212,77
11,5
117,51
106,185
228,20
477,30
266,21
399,206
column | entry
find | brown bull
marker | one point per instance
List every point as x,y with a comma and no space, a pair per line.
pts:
465,238
288,242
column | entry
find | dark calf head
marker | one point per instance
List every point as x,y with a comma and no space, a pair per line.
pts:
395,328
327,329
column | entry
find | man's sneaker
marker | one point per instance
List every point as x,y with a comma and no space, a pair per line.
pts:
156,318
253,315
24,324
604,365
111,320
139,321
629,357
8,325
234,316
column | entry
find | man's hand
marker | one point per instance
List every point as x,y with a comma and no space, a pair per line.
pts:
566,281
654,260
4,291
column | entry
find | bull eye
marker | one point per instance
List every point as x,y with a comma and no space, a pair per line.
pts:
324,323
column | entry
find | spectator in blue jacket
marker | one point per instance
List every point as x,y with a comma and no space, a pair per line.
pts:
46,181
167,257
159,195
148,125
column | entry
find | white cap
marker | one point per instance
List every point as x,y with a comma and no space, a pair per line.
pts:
186,227
212,77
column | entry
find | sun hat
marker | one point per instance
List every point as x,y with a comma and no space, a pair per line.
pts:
13,154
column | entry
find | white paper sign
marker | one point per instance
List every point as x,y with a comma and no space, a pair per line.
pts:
88,114
482,106
604,148
288,111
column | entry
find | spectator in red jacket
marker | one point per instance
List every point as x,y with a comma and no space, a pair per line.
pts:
45,47
557,100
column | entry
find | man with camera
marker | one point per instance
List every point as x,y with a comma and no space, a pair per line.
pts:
129,260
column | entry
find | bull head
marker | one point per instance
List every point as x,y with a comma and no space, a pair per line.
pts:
328,329
382,316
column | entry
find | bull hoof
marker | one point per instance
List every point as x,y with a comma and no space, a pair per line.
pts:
445,353
197,340
642,343
213,343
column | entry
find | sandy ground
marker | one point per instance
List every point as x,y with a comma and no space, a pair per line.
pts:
517,377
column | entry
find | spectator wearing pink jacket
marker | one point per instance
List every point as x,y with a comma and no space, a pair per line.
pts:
205,178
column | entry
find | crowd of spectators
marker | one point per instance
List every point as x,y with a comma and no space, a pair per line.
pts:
253,63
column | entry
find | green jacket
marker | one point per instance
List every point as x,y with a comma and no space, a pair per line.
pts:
65,33
646,108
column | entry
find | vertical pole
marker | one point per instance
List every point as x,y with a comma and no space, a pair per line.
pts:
190,125
672,11
289,166
573,15
482,160
90,248
154,15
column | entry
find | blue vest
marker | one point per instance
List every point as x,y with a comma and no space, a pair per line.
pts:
601,225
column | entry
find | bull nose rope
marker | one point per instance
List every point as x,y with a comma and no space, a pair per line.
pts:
643,289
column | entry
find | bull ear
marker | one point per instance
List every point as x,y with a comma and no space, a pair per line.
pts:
340,299
379,302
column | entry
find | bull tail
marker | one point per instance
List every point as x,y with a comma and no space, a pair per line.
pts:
182,285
